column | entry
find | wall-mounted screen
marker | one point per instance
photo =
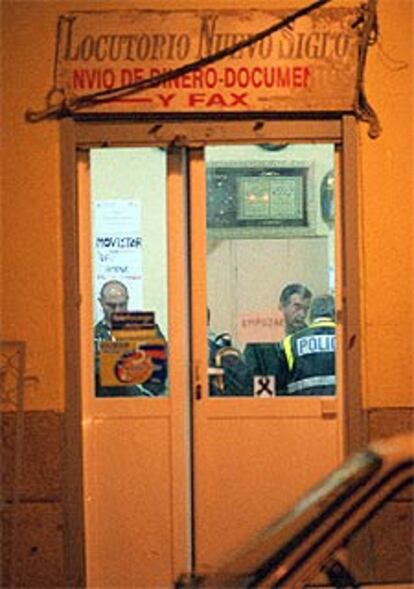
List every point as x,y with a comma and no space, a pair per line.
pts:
267,197
275,199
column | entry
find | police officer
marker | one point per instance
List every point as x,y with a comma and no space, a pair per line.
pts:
307,357
229,375
294,302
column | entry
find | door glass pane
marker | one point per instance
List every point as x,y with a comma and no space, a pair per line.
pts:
129,253
271,270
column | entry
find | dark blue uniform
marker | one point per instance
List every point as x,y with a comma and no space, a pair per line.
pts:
307,361
237,377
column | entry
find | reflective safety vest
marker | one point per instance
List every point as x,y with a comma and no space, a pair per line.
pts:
310,359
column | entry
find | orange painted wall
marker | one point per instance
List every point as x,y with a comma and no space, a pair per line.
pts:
387,213
31,217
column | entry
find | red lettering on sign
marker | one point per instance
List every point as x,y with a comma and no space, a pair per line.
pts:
165,99
129,76
197,79
196,98
267,77
90,79
238,99
216,99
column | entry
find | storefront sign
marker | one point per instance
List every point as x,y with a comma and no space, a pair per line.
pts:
309,66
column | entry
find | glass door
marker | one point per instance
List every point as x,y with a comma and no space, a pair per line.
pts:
201,418
267,420
134,354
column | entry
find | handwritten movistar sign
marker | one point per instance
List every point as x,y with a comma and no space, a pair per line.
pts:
118,242
310,65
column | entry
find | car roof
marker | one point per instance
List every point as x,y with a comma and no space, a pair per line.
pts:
322,520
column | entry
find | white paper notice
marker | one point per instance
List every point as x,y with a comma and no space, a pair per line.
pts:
117,247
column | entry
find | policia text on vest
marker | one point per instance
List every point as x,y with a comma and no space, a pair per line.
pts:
307,361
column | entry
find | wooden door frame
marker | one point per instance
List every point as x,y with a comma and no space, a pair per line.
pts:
341,131
355,434
74,536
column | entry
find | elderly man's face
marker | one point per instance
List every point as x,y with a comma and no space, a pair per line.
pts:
295,313
113,299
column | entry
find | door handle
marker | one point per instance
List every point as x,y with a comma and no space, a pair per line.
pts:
198,389
198,392
329,408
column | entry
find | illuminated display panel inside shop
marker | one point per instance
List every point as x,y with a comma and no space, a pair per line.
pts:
248,197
